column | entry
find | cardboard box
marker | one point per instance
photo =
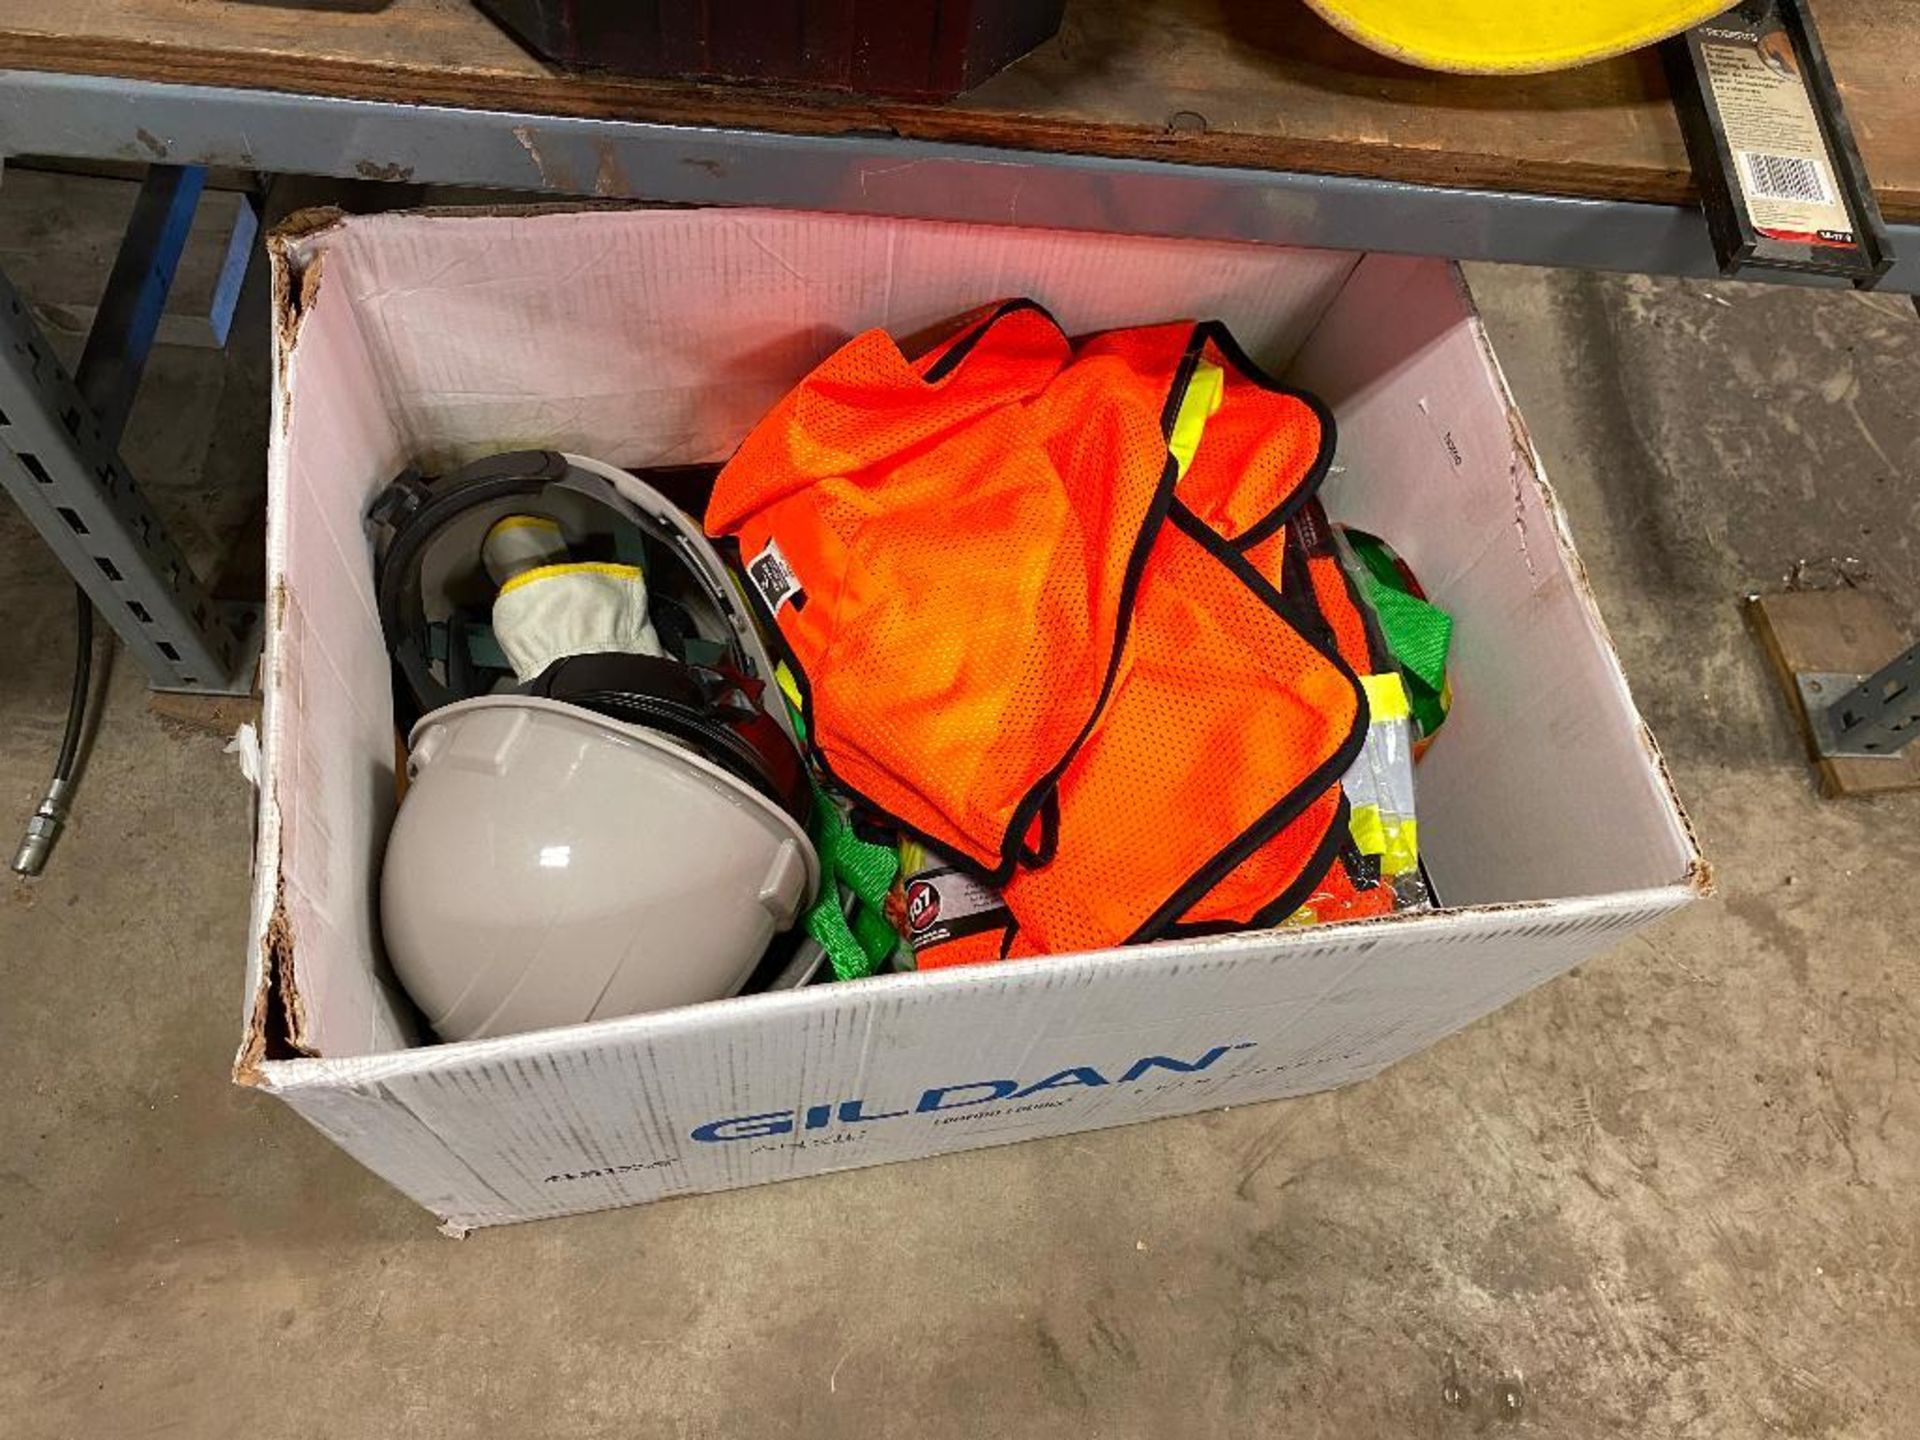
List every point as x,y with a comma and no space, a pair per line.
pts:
659,337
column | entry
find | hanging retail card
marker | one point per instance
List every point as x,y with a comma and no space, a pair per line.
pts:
1779,174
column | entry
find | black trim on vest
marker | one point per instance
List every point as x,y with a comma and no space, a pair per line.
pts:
863,804
950,360
1315,474
1288,900
1048,816
1312,628
1379,658
1156,516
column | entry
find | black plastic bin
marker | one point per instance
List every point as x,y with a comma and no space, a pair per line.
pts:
924,49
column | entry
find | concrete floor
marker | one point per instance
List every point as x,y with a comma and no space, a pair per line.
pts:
1669,1195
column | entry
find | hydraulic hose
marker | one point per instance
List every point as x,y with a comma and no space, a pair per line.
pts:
51,815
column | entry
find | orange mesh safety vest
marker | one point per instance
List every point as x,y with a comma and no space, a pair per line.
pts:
1015,588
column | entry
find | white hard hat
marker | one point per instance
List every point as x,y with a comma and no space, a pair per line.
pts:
622,832
551,866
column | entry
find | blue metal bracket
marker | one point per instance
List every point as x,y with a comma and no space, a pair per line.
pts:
121,336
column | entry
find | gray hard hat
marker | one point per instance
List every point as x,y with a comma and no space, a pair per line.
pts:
551,866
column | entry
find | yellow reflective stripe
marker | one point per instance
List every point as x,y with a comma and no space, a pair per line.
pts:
789,686
1394,838
573,567
1369,831
1402,852
1205,393
1387,696
523,522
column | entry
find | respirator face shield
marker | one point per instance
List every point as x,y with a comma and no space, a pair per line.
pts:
712,689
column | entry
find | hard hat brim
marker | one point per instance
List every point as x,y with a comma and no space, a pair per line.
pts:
671,751
1509,37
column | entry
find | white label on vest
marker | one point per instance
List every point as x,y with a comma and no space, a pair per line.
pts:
774,578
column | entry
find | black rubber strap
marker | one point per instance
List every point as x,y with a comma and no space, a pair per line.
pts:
1047,817
714,712
412,512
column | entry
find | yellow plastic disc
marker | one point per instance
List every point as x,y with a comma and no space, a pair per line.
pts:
1510,36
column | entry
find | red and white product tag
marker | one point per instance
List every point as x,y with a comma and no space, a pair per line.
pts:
1781,161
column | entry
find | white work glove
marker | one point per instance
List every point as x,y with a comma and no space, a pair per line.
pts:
551,606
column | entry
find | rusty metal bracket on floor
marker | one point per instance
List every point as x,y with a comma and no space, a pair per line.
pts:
1857,711
1863,717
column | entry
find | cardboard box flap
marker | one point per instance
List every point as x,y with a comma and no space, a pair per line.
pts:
1544,780
830,1077
327,720
660,337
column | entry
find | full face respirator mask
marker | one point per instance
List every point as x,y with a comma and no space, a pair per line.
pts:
606,808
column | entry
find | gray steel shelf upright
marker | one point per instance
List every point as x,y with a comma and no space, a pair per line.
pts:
61,461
